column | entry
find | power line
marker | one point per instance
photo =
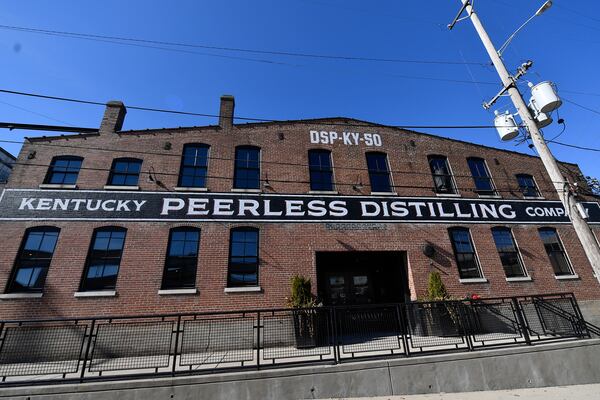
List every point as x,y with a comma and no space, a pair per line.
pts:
576,146
581,106
235,49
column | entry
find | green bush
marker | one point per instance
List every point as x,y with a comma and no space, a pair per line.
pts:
301,293
436,290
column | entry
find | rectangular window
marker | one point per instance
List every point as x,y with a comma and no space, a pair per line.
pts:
481,176
104,259
466,259
125,172
63,170
33,261
320,169
556,252
243,257
194,165
509,253
379,173
442,178
182,258
528,186
247,168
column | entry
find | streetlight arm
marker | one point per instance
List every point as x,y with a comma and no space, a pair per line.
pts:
511,37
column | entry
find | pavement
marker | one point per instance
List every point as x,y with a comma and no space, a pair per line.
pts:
575,392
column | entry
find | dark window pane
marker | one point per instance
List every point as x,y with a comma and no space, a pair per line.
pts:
481,176
104,259
243,257
556,253
180,265
527,185
442,178
508,252
33,260
247,168
125,172
379,174
320,170
468,266
194,166
63,170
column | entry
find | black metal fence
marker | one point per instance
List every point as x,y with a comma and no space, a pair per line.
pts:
81,349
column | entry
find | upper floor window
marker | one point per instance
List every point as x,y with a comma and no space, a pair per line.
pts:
125,172
182,258
509,253
379,172
63,170
556,252
104,259
442,177
528,186
464,252
194,164
243,257
320,169
247,168
481,176
33,260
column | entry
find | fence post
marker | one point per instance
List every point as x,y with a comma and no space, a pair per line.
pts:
87,349
336,342
176,343
258,340
403,328
332,335
465,323
521,320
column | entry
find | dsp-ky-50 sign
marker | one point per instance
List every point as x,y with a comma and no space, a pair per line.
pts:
347,138
23,204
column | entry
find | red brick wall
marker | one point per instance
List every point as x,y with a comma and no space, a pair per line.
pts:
285,249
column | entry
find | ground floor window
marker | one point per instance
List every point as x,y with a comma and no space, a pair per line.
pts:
104,259
556,252
182,258
509,253
464,252
243,257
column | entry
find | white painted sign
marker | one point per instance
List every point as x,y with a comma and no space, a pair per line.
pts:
346,138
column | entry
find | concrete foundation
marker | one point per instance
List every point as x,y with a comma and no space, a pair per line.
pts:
591,311
564,363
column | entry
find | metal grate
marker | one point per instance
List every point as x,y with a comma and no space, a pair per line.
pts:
217,340
41,350
492,321
137,345
369,329
434,324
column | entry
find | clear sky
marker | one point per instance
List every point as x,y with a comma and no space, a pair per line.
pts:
564,44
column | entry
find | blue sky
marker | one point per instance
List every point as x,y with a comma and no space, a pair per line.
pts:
564,44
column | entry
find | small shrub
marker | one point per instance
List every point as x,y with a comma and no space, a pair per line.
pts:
436,290
301,293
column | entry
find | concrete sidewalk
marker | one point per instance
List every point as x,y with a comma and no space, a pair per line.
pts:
575,392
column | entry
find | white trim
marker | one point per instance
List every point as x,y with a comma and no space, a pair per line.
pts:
119,187
56,186
489,196
566,277
190,189
9,296
96,293
239,190
384,194
177,291
323,192
519,279
453,195
473,280
534,198
243,289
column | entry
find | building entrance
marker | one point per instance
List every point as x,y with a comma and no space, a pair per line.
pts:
361,277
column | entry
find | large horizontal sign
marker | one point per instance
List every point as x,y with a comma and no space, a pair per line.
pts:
24,204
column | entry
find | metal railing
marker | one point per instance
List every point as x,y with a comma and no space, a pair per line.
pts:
85,349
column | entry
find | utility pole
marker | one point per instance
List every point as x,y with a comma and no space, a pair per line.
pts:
584,233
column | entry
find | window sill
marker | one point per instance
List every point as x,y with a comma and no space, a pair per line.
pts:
167,292
189,189
448,195
56,186
490,196
96,293
534,198
119,187
566,277
519,279
323,192
246,190
384,194
11,296
243,289
473,280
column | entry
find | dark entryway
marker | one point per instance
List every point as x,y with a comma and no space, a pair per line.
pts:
361,277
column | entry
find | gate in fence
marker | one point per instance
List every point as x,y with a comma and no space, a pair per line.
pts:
82,349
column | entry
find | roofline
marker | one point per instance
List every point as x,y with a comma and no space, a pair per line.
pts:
7,154
285,122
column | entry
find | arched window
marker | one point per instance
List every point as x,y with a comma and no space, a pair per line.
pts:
181,259
125,172
64,170
246,173
104,259
243,257
194,165
32,263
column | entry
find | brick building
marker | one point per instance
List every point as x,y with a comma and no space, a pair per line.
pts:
221,217
6,164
